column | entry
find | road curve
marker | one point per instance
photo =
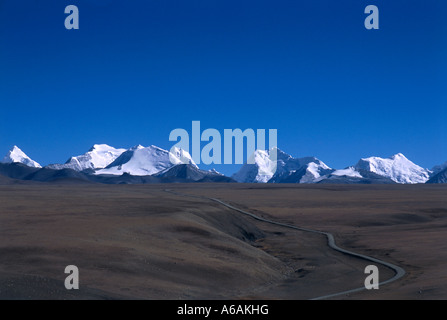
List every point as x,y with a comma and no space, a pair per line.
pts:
399,272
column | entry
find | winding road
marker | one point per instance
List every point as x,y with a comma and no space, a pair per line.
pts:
399,272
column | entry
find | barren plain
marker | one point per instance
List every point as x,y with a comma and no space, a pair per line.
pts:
142,242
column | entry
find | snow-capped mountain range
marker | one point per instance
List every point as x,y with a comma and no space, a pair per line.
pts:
265,166
275,165
141,161
395,169
98,157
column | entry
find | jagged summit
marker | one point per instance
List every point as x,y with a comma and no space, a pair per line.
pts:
141,161
276,166
15,155
99,156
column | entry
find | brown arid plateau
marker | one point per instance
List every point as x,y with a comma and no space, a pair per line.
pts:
142,242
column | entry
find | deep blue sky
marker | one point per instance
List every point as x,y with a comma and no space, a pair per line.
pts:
135,70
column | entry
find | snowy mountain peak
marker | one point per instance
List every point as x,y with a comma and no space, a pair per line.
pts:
143,161
280,155
99,156
258,169
137,147
301,170
100,147
398,156
183,156
348,172
15,155
282,167
397,167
